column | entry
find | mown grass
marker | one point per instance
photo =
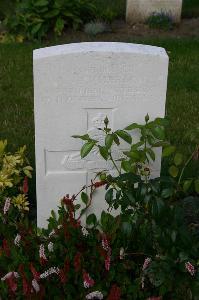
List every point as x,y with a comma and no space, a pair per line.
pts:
16,90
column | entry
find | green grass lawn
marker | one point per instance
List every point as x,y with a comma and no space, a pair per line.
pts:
16,91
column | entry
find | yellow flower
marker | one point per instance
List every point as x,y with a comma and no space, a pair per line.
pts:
5,181
21,202
10,161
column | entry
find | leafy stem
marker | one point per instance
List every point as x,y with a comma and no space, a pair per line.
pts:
115,165
186,164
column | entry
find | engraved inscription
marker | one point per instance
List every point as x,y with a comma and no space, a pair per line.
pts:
105,95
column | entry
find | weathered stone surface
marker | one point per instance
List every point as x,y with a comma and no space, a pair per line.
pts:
75,87
139,10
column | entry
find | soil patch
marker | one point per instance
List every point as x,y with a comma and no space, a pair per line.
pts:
187,28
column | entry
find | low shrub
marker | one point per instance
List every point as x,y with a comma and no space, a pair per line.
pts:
34,19
97,27
144,252
160,20
7,7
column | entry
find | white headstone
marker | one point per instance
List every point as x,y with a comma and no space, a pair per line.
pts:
75,87
139,10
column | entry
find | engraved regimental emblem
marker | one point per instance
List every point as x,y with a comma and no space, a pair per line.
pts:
94,160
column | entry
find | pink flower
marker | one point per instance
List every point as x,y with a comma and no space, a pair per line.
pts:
142,282
42,255
6,205
146,263
35,285
105,243
122,253
17,240
95,295
52,270
88,281
190,268
9,275
107,262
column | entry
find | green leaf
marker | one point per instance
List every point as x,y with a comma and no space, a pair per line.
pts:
187,184
133,126
132,154
178,159
126,166
109,140
104,219
161,121
173,171
77,206
127,228
84,137
104,152
158,132
124,135
27,173
167,151
85,198
131,177
151,153
91,219
196,184
173,236
59,26
41,2
116,139
137,145
166,193
3,145
86,149
52,13
109,196
36,28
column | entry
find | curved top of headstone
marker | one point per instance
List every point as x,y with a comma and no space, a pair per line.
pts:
89,47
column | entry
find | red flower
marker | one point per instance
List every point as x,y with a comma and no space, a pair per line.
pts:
67,265
77,262
62,276
88,281
190,268
11,282
6,247
25,185
68,202
43,261
115,293
107,262
26,286
35,274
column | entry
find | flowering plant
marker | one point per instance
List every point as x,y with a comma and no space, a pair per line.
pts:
144,252
14,173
